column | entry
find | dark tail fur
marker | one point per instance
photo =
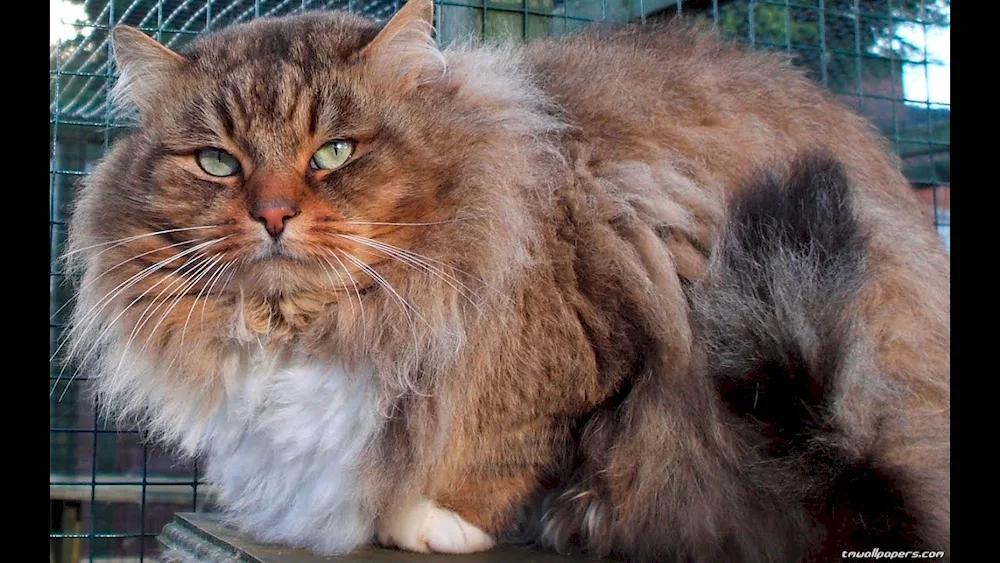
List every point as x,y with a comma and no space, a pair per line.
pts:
772,314
775,319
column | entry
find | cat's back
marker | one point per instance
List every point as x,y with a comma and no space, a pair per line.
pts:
680,73
679,86
681,67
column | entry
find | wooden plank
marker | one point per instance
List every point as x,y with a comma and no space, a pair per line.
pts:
110,488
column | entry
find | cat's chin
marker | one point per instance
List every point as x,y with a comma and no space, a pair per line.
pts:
284,275
271,250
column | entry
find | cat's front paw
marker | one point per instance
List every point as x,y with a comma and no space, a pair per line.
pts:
427,528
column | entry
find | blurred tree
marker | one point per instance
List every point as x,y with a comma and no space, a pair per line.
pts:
827,37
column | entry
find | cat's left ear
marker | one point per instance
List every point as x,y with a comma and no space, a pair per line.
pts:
144,69
405,51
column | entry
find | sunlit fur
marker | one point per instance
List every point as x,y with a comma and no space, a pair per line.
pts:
501,273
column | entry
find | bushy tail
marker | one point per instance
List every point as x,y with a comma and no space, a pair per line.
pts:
772,313
776,318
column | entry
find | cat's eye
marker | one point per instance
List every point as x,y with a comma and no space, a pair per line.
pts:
217,162
332,155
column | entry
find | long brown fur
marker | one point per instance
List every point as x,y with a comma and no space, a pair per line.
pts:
574,195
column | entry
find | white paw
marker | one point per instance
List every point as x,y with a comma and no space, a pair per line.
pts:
427,528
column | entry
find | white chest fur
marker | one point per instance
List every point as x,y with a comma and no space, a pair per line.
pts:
283,453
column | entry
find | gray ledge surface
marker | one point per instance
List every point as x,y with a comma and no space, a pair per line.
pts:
202,537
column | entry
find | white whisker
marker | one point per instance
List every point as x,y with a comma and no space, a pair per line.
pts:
425,224
215,271
89,352
211,287
422,257
125,240
405,307
94,313
364,326
195,263
418,262
177,288
384,283
116,266
340,279
204,264
96,309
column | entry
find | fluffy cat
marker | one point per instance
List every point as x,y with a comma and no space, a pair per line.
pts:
631,292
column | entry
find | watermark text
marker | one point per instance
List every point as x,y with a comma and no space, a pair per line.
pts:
880,554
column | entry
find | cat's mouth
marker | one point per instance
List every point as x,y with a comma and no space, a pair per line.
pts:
275,250
303,260
281,268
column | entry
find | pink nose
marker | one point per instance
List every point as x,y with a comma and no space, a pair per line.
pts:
273,217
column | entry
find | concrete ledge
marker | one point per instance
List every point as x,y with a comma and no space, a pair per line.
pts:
201,537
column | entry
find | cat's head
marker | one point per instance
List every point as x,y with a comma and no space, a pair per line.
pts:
278,139
304,155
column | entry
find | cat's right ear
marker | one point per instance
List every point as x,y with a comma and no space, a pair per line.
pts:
404,51
144,69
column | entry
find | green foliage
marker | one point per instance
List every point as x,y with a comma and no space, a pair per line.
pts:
842,28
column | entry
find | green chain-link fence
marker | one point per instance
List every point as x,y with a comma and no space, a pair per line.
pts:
111,493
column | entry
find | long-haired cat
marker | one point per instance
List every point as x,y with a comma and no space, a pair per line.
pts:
631,292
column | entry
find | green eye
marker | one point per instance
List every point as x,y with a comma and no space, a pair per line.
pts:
332,155
217,162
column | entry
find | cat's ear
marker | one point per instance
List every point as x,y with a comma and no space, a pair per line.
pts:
404,51
144,69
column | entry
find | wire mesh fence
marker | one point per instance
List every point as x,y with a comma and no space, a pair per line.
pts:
111,492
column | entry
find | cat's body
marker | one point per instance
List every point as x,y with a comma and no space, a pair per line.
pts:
565,351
